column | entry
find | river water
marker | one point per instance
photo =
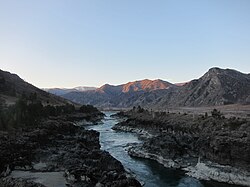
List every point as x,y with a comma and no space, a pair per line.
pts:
148,172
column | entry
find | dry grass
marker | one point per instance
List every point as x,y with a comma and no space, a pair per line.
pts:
236,110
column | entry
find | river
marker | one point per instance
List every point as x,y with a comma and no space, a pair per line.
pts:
148,172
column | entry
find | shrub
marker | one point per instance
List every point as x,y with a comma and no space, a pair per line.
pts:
88,109
28,111
217,114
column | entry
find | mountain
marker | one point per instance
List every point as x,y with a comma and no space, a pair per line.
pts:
124,95
59,91
12,87
84,88
219,87
215,87
62,91
142,85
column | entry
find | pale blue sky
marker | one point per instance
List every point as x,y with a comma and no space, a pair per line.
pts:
67,43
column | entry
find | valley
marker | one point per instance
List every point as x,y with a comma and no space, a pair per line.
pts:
124,93
195,132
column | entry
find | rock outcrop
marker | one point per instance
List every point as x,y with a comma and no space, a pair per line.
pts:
182,141
58,145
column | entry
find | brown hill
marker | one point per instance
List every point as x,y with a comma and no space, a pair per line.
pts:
142,85
118,96
145,85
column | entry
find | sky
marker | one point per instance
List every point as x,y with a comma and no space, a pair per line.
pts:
68,43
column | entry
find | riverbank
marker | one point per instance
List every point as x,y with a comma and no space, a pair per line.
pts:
210,147
148,172
57,152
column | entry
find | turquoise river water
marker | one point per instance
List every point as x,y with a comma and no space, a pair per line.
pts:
148,172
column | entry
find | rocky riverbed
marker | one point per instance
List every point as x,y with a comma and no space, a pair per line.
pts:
58,153
208,147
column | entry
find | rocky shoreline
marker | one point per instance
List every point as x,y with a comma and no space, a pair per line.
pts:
207,147
58,148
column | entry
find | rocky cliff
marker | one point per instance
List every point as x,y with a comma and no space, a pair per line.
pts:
182,141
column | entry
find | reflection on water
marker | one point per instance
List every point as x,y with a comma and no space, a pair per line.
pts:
147,171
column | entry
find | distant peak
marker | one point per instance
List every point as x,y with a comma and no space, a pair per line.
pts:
138,85
106,86
215,69
145,85
148,81
84,88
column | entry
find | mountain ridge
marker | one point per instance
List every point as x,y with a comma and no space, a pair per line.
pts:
62,91
12,87
216,87
110,95
138,85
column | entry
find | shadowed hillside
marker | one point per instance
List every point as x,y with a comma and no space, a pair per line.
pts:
216,87
12,87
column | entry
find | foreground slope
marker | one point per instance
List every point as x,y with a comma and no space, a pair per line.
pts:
12,87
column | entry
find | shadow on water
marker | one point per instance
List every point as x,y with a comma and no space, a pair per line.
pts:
172,177
150,173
